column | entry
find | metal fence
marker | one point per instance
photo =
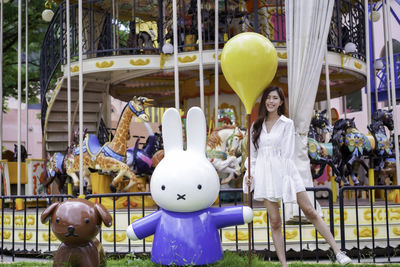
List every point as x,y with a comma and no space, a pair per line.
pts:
389,252
22,219
18,226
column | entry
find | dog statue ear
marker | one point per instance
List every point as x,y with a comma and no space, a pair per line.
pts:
103,213
48,212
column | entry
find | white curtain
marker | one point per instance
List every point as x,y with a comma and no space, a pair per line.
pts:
307,26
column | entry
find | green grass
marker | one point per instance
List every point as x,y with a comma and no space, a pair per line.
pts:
230,260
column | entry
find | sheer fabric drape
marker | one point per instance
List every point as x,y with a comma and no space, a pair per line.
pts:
307,26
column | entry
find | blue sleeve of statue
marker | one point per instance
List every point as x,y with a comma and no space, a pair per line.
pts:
228,216
147,225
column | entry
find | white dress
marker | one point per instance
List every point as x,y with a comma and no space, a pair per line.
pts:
275,177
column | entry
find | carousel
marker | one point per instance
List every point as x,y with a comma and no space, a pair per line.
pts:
150,55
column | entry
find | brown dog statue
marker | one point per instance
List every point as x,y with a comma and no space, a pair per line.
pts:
76,222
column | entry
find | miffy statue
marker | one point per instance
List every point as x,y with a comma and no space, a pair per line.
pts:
185,184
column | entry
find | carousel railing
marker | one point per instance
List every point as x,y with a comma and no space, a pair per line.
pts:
109,31
382,77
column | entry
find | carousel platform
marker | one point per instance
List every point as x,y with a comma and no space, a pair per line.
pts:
22,230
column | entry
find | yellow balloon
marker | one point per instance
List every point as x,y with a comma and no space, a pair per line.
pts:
249,62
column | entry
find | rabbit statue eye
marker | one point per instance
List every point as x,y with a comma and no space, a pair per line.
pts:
86,220
163,187
58,220
199,186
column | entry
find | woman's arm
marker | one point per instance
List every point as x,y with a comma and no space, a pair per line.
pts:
253,158
288,140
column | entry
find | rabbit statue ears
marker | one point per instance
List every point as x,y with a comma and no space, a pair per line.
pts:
195,131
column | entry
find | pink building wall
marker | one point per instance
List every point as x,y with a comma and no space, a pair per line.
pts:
10,129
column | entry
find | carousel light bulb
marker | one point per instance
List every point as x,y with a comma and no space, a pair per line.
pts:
350,48
168,49
378,64
47,15
375,15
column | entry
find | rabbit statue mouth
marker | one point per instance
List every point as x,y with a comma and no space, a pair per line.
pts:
181,197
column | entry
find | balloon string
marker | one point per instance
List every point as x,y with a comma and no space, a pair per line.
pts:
249,187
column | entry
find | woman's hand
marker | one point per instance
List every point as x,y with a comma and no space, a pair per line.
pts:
249,180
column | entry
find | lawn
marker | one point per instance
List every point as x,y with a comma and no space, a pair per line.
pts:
230,260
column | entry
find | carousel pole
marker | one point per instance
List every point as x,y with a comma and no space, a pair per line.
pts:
371,174
1,85
328,88
368,59
392,79
373,58
80,38
26,74
328,104
249,195
18,202
1,101
176,69
68,32
386,38
216,67
200,38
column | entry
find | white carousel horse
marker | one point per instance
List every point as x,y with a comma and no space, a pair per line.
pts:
223,147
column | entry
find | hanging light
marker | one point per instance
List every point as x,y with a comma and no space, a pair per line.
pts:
350,48
47,14
375,15
378,64
168,49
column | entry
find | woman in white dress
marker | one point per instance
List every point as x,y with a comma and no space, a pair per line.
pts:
274,175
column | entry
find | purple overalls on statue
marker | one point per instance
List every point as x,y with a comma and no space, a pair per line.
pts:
185,238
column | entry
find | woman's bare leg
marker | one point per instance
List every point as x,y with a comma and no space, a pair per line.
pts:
276,230
311,214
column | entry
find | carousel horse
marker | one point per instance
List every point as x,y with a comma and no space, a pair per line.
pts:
375,145
55,171
111,157
24,154
55,165
349,142
140,160
382,148
319,126
319,152
222,150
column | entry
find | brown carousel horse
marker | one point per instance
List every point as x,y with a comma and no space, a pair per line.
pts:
55,165
111,157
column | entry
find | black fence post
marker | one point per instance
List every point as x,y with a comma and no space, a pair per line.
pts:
342,227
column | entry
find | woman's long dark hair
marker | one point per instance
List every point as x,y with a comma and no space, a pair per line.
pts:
263,112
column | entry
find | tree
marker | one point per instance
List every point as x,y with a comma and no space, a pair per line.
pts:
37,29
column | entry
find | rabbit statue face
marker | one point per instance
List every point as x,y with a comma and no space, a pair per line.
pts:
184,181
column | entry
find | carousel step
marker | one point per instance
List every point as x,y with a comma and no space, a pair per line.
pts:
56,146
88,96
62,126
61,105
91,85
63,116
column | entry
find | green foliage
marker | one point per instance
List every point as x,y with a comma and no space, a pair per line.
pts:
37,29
